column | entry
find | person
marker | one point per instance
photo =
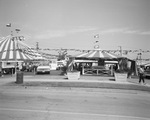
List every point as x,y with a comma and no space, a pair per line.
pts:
80,68
141,74
0,71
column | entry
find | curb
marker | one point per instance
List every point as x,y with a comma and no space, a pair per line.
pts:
83,84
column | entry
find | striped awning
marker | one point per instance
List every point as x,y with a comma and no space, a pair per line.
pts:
97,54
13,49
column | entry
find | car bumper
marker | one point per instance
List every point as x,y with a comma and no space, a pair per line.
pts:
43,72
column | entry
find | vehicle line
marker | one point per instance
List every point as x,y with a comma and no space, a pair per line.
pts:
73,113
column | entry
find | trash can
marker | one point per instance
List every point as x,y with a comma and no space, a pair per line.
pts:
19,77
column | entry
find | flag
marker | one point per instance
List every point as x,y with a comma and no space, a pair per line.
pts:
21,38
96,36
17,30
125,52
8,25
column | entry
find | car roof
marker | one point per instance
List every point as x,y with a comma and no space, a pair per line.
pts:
43,66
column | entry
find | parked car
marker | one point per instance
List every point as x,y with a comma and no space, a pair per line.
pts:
43,69
147,71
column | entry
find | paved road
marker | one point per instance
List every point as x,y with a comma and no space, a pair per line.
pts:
42,103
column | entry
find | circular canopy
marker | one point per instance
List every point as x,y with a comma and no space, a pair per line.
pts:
97,54
13,49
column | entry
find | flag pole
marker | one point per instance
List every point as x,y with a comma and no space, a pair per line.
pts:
9,25
96,43
12,38
17,48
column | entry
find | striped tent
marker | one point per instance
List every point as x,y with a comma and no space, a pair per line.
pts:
94,54
36,55
47,55
12,49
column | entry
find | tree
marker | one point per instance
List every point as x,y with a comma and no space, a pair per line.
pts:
123,65
62,54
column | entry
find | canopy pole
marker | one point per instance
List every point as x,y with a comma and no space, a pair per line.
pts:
16,55
15,67
111,70
12,72
34,71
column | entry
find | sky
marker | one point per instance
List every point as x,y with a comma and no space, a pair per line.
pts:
72,24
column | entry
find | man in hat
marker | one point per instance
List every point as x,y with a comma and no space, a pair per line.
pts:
141,74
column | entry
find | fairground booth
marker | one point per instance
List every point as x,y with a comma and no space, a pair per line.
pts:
100,62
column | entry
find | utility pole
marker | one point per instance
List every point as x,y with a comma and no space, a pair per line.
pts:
120,50
37,46
140,56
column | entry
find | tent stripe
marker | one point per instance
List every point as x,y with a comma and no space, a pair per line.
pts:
107,55
2,46
92,54
15,50
101,55
29,56
97,54
24,57
11,55
17,55
20,54
4,55
111,55
27,49
11,45
82,55
6,46
7,54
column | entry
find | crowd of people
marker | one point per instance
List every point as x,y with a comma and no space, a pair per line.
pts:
28,67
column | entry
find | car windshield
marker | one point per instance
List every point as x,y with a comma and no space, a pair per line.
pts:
43,65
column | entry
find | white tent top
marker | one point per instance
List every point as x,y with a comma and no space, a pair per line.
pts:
97,54
12,49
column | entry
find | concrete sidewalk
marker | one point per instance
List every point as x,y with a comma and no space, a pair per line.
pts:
83,82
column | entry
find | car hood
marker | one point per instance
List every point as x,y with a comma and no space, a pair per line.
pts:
39,67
